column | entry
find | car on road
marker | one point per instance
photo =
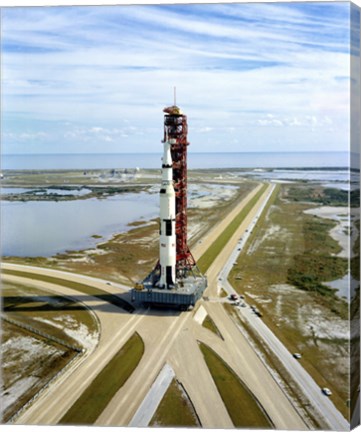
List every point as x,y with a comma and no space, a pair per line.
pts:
108,283
326,391
233,297
297,355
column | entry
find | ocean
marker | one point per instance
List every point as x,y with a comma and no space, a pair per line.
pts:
195,160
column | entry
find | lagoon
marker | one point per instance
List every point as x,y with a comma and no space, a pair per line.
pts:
44,228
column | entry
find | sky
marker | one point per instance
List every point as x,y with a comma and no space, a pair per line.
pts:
250,77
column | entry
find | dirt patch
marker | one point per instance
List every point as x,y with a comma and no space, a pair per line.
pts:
30,362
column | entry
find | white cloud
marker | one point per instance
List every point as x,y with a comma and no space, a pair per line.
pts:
96,129
205,129
25,136
110,71
301,121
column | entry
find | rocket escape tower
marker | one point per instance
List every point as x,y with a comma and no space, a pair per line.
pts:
176,280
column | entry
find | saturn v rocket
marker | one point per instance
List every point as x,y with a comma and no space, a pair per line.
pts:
167,240
176,281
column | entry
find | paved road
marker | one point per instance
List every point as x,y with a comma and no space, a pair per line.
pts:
111,287
324,406
202,245
150,403
236,348
116,328
169,338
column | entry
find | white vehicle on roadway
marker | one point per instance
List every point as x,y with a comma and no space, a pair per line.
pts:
326,391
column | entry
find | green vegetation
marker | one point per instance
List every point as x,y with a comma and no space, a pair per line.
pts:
310,270
242,406
175,409
320,195
355,198
86,289
301,254
355,316
289,248
355,260
45,194
137,223
213,251
315,265
209,324
102,389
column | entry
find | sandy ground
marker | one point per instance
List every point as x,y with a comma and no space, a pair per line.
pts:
31,351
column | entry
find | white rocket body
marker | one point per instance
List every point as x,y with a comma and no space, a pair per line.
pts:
167,221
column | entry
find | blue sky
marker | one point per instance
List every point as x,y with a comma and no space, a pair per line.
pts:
250,77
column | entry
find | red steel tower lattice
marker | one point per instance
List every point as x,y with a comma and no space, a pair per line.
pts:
176,128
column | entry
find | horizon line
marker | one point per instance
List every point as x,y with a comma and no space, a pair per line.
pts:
157,153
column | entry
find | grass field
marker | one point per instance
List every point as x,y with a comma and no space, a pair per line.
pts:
318,195
99,393
209,324
243,408
175,409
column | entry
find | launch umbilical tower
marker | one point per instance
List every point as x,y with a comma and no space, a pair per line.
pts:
176,130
